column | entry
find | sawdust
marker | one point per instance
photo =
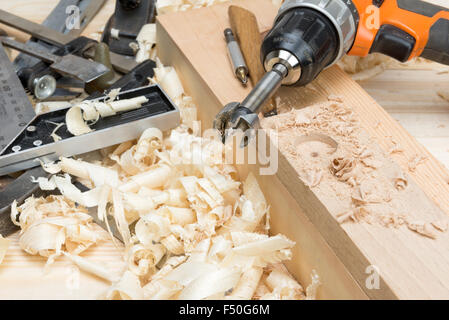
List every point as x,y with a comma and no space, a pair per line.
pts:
348,171
415,162
443,94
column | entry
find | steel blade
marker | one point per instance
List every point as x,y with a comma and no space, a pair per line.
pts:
82,69
57,21
120,63
68,65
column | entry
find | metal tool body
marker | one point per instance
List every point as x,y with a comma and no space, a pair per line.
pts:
42,81
129,17
236,57
120,63
67,65
21,188
57,20
311,35
15,107
18,190
35,144
138,77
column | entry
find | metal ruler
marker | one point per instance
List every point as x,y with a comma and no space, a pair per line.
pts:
15,107
35,144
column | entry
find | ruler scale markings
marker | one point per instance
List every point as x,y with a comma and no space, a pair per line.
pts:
15,107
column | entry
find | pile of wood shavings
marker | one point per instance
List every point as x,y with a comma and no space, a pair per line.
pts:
340,163
363,68
199,232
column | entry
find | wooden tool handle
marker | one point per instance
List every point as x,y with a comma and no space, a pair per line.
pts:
245,27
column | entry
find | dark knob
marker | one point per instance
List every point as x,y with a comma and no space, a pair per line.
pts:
307,34
130,4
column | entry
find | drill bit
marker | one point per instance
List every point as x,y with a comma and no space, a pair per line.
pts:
241,74
244,116
236,57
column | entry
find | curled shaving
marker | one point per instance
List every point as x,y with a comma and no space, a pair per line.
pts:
146,39
90,111
199,233
54,225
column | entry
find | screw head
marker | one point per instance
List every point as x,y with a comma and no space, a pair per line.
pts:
44,87
37,143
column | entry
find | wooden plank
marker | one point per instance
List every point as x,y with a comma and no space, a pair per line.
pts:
21,268
311,251
200,58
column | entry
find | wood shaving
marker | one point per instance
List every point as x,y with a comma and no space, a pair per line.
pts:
440,225
396,148
146,40
422,228
80,114
4,244
415,162
342,168
358,182
53,134
313,177
443,94
312,289
92,268
53,225
199,233
400,182
363,68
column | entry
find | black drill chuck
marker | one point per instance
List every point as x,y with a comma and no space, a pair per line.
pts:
306,34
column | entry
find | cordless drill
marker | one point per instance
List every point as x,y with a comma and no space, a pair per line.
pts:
311,35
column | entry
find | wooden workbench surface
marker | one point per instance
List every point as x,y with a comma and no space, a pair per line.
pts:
409,95
22,276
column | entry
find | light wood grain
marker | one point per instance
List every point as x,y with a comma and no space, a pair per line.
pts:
21,275
411,266
244,25
311,250
409,95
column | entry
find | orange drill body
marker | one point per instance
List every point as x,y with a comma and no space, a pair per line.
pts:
398,14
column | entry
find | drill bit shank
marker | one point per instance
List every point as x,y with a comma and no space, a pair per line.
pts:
236,57
265,88
244,116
